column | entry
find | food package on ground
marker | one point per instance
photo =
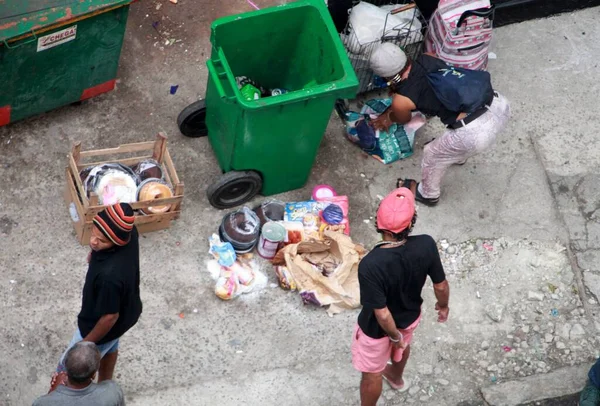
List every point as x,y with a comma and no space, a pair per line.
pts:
286,280
244,273
307,213
342,203
235,280
223,252
270,210
227,285
294,232
234,274
321,191
242,229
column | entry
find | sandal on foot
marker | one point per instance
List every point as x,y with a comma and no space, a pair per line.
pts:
400,388
414,187
410,184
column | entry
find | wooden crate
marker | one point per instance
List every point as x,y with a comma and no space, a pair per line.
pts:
127,154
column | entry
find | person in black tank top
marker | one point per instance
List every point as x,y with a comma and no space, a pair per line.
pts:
466,134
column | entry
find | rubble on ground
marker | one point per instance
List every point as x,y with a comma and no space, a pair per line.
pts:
524,317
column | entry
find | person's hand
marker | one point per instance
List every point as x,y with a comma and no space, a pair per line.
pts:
442,313
382,123
400,345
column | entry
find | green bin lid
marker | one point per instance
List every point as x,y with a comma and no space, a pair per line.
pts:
21,17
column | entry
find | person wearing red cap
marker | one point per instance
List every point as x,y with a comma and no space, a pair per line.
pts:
111,302
391,279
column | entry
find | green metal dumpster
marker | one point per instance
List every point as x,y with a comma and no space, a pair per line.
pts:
269,145
56,52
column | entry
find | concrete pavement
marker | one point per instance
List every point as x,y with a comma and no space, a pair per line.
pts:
533,200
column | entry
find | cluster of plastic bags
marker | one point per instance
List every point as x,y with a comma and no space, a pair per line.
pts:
234,275
369,24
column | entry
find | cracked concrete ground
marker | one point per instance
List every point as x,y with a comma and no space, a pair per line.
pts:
533,200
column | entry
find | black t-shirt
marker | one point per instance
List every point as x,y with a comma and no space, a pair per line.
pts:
112,285
394,277
417,88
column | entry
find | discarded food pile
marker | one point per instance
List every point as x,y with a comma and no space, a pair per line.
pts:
102,177
307,242
117,183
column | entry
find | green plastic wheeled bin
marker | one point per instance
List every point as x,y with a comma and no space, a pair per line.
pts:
269,145
57,52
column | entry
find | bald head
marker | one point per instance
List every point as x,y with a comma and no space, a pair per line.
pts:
82,361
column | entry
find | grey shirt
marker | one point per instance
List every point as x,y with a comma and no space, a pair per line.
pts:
106,393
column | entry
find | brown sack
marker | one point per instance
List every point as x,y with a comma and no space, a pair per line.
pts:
307,261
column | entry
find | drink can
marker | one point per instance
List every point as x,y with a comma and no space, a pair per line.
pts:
278,92
271,237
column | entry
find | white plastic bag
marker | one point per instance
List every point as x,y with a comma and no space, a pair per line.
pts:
369,22
370,25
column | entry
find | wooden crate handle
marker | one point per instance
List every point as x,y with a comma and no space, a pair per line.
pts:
178,192
94,199
76,152
160,145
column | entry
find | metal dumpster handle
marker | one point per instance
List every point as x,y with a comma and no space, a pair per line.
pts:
222,76
29,41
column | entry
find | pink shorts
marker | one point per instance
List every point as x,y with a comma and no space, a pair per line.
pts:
372,354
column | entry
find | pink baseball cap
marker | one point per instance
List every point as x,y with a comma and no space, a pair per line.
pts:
396,211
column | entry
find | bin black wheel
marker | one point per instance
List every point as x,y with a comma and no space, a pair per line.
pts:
192,120
233,189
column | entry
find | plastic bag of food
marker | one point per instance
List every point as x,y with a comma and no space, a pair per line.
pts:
270,210
285,278
294,232
223,252
245,273
235,280
342,203
243,276
227,285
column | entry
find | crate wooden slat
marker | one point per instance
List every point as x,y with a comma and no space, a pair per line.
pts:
87,208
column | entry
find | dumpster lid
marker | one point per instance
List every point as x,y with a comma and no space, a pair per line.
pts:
21,17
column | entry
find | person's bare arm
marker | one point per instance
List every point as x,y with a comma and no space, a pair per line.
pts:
399,112
402,108
102,327
387,323
442,294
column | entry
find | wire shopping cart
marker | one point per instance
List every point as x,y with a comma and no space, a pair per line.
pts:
370,25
